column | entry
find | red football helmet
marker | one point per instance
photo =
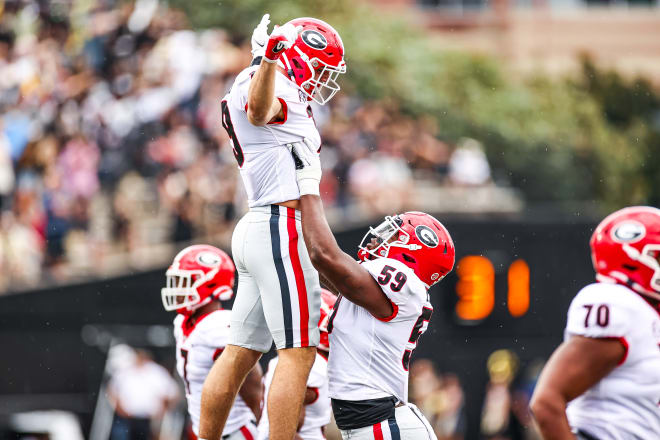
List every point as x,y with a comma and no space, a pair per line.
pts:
625,248
416,239
198,275
316,59
328,300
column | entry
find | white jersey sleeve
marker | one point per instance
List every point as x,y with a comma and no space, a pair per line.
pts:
624,404
400,284
600,311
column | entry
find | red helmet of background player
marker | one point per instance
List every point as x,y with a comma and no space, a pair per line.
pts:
316,59
625,248
416,239
198,275
328,300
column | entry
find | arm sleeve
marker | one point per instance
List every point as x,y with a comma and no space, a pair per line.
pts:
399,284
599,312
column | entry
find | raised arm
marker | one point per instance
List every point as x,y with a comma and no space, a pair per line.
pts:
263,106
346,275
338,268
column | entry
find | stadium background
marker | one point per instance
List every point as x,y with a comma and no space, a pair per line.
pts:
518,124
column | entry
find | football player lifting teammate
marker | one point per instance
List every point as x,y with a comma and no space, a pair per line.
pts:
607,371
278,299
382,311
199,277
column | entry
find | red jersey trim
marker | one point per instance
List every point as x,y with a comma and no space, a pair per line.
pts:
625,344
316,391
395,311
246,433
285,109
186,325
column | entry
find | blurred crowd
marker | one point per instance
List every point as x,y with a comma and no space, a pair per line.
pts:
504,410
111,140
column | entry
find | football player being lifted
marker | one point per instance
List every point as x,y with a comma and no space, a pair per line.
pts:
278,297
199,277
382,311
316,411
607,371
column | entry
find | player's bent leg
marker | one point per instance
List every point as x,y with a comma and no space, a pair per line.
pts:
287,391
221,386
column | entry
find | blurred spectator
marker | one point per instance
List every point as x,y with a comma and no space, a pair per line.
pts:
111,139
141,392
505,414
440,397
468,164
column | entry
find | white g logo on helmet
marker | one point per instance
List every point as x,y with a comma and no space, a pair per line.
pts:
427,236
314,39
628,232
208,259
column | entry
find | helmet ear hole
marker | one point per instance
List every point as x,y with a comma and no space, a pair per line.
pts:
408,258
296,63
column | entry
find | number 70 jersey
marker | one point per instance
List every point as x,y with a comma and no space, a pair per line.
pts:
369,357
629,397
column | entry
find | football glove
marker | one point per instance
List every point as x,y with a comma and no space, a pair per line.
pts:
280,40
260,37
308,167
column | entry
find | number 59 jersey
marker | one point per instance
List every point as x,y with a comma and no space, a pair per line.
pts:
628,398
369,357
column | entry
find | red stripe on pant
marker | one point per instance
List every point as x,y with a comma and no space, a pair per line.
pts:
246,433
378,432
300,278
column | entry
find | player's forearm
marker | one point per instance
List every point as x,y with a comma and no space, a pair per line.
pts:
320,241
550,415
261,94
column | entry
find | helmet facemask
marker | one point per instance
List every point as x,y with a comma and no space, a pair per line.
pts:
649,257
377,242
180,292
322,85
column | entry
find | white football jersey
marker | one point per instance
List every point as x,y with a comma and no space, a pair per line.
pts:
317,414
625,403
369,357
265,163
196,350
